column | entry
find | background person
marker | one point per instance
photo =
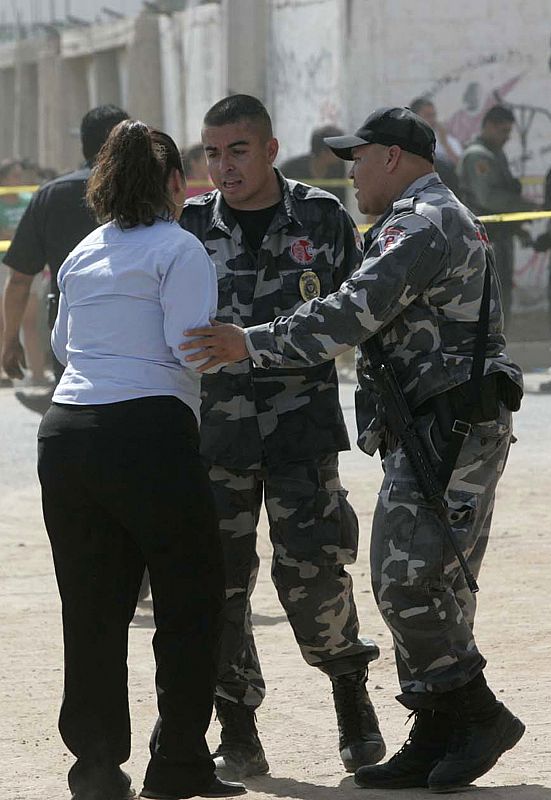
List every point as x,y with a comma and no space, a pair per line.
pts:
420,292
12,208
55,220
448,149
275,436
488,187
195,165
319,164
122,480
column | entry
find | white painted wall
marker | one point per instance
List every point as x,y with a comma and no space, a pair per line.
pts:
465,56
204,66
460,54
305,69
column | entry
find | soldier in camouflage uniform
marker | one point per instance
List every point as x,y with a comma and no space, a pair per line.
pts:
419,290
487,187
276,434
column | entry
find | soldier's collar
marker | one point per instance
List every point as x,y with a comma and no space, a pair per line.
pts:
418,185
221,216
288,203
405,203
223,219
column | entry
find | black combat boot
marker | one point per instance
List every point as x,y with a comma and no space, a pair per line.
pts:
89,781
240,753
360,740
482,730
412,764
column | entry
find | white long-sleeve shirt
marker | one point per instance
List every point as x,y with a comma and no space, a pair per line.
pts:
126,298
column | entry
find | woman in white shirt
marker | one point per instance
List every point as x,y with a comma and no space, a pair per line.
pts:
123,486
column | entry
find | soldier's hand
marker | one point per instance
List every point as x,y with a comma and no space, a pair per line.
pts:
219,344
13,358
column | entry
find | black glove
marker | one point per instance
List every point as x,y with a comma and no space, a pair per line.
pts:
542,243
524,236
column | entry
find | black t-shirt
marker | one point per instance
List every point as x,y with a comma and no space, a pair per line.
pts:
55,221
254,224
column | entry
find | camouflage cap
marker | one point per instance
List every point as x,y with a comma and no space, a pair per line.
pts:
388,126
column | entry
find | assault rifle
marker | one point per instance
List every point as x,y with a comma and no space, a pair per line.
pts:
402,424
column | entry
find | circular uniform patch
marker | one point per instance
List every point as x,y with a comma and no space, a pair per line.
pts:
309,285
302,251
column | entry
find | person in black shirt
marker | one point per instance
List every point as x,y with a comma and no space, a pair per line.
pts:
55,221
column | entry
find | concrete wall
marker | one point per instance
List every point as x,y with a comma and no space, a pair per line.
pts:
312,61
465,56
306,69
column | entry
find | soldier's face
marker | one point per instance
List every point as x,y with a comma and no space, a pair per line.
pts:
370,178
240,163
498,133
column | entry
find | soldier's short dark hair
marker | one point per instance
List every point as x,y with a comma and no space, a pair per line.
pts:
239,107
96,126
420,102
317,145
498,114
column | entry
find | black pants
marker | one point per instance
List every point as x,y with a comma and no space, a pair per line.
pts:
123,487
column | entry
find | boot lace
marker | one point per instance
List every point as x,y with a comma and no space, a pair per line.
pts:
355,714
238,724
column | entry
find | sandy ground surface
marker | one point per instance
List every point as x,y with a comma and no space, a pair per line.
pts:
297,721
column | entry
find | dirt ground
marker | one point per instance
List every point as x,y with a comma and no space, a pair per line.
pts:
296,722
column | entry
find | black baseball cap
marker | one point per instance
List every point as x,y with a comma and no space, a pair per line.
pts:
388,126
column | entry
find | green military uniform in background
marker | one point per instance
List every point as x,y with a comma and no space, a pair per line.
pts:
488,187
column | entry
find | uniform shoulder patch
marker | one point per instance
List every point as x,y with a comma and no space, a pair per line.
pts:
200,199
482,166
390,237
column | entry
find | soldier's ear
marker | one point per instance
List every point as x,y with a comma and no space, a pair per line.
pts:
393,155
272,149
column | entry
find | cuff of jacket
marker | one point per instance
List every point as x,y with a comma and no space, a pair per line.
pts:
260,342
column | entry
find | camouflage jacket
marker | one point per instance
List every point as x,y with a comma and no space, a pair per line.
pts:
252,417
420,285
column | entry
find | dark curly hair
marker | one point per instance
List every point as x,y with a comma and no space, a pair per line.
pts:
129,181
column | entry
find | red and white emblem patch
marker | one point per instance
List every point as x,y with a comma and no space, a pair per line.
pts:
359,240
390,238
302,251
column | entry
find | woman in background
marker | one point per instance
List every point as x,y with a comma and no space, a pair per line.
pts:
123,486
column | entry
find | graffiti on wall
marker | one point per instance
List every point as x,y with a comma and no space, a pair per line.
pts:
520,81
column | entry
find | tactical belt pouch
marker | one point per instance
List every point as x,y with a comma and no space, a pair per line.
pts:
454,404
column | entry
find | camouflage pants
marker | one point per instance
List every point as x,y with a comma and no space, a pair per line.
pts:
418,584
314,532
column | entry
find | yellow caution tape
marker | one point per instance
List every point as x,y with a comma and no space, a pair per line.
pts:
17,190
515,216
511,216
